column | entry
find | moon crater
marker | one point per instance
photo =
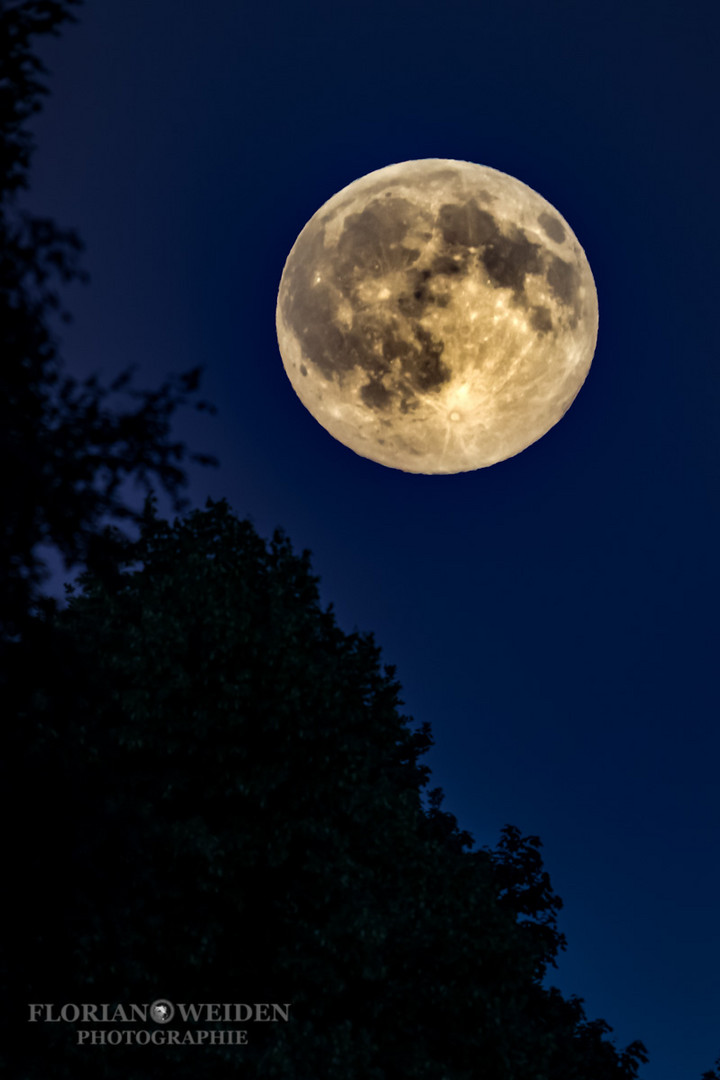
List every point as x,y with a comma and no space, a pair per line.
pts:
437,316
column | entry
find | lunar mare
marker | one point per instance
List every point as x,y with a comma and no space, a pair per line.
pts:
437,316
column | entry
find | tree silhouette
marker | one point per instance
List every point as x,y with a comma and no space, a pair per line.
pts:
238,815
65,449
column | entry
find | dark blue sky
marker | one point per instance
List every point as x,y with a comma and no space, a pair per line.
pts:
554,616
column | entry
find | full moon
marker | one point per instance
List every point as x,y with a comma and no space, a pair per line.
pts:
437,316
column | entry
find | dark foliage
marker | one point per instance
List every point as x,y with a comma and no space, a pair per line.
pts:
237,815
65,450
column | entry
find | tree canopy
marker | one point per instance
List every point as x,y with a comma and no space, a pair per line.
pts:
238,815
67,447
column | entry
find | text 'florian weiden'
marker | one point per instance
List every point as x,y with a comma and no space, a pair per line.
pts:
161,1012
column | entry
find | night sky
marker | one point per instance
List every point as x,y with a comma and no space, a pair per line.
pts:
552,616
